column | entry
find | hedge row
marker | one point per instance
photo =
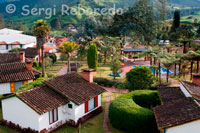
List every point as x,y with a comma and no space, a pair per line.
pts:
110,83
126,115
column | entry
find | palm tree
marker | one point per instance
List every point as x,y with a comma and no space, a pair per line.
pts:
191,56
67,48
167,62
41,30
180,60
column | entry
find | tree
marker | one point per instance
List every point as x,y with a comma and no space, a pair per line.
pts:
41,30
1,21
177,18
67,48
198,31
115,66
92,56
139,78
167,62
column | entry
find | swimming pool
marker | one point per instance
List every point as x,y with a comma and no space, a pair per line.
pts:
163,70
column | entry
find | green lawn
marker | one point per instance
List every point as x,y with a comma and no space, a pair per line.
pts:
103,71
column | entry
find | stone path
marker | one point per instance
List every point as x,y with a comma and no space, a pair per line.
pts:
108,100
63,70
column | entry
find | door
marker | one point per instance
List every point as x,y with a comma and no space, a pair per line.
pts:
12,87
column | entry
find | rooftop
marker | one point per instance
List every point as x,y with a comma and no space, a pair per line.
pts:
176,108
74,87
193,89
11,72
9,57
50,99
30,52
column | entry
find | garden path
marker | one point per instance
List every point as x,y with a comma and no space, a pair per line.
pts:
63,71
108,100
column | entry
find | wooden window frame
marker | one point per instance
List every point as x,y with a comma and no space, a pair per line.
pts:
53,116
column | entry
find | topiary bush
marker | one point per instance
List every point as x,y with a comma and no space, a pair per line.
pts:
127,112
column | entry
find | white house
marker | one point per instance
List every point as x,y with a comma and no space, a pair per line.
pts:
180,112
14,72
10,39
69,98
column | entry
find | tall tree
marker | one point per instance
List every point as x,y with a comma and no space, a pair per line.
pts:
177,18
115,66
41,30
1,21
67,48
92,56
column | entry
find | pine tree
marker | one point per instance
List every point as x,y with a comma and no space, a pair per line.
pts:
176,22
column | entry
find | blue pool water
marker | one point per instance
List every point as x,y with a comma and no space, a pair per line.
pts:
118,75
163,70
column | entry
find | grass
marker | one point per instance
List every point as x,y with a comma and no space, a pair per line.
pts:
103,71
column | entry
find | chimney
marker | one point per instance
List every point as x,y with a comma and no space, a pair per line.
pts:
196,79
87,74
22,56
29,64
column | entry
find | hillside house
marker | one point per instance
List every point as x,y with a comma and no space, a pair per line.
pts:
70,98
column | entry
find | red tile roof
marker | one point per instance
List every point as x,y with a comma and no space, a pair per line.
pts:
9,57
16,42
3,42
42,99
74,87
11,72
176,109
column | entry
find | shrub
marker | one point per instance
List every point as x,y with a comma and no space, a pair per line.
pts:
33,84
36,64
107,83
139,78
92,56
54,58
127,115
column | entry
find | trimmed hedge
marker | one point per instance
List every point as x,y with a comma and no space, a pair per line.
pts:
128,112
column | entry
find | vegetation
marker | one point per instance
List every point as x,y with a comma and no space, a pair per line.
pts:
33,84
92,57
139,78
67,48
127,115
41,30
115,66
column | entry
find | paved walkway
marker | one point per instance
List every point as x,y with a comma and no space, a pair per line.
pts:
108,100
63,70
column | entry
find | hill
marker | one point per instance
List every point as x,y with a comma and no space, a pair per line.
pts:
68,19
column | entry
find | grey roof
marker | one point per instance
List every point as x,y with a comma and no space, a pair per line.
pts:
135,49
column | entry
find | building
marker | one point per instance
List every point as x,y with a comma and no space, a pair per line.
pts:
14,72
180,111
32,53
10,39
70,98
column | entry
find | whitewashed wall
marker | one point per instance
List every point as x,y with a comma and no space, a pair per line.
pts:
18,112
192,127
4,88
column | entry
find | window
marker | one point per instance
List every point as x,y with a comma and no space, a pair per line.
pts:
53,116
70,106
91,104
2,47
18,85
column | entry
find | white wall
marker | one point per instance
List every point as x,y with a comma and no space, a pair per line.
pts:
80,110
4,88
193,127
184,90
16,111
